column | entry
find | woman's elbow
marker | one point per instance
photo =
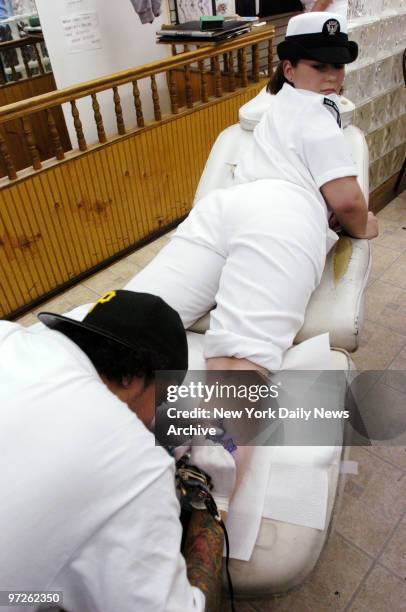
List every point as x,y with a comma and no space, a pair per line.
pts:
344,196
348,206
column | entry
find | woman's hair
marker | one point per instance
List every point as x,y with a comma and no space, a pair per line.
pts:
114,360
278,78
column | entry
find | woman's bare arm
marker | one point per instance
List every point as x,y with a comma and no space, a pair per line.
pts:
345,198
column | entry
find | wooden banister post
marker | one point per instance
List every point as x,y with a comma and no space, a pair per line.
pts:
270,58
155,99
98,119
56,141
30,140
225,62
39,60
239,62
244,76
118,111
173,94
255,63
188,87
138,105
217,77
2,73
203,82
8,162
78,127
26,64
14,73
231,73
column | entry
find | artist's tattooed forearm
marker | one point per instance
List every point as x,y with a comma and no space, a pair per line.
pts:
204,556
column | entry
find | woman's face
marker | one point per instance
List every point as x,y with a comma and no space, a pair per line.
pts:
315,76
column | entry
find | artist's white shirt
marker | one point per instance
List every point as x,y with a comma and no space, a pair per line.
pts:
298,140
88,505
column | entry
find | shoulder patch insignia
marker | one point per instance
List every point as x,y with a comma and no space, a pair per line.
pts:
334,110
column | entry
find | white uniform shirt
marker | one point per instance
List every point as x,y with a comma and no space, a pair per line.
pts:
299,141
88,502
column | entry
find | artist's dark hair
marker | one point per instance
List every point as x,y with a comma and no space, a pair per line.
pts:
116,361
278,78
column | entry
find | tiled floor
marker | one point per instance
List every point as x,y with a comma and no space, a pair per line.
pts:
363,566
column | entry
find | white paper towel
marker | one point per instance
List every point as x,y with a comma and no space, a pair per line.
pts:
246,507
297,494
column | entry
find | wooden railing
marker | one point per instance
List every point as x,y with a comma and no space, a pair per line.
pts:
22,58
141,138
207,74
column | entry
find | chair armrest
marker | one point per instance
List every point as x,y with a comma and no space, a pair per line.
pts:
337,304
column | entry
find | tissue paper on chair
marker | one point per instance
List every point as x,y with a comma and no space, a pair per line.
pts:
245,512
297,494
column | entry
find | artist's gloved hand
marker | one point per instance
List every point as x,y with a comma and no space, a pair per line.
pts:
220,465
182,450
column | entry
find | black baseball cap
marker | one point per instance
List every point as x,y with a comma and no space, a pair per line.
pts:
135,320
320,36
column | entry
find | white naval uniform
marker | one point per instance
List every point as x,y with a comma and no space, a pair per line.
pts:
257,250
88,503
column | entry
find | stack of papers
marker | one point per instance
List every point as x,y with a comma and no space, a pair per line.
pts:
191,31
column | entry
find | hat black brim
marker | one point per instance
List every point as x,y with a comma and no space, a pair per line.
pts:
56,321
328,55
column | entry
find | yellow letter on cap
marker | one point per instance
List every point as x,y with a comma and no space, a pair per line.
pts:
107,297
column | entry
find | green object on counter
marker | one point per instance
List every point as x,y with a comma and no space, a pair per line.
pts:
34,22
215,22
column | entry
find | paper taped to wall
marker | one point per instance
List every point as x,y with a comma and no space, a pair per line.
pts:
82,31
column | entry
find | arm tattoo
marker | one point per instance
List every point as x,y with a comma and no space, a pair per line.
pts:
204,557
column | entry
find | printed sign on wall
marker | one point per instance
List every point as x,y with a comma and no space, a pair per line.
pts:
82,32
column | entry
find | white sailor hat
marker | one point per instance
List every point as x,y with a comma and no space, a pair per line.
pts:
318,36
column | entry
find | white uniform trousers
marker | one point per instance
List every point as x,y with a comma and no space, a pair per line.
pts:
257,252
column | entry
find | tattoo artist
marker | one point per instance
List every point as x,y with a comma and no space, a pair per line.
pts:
89,506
